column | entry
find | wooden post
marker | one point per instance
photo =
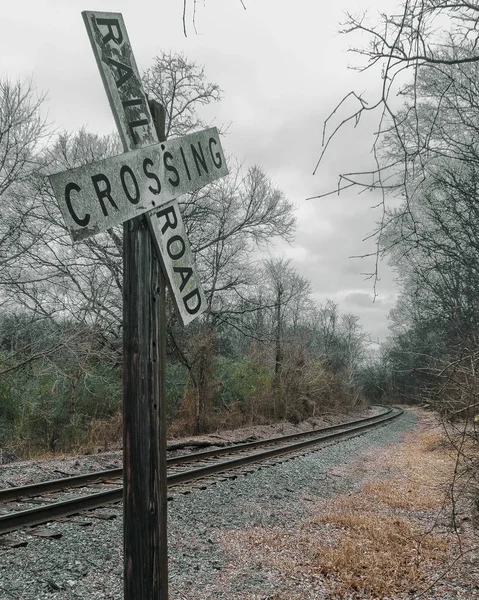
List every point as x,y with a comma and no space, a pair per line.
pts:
141,126
144,423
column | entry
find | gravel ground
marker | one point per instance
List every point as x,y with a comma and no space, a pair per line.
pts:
86,561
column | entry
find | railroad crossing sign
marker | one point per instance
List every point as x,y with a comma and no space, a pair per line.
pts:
105,193
143,181
108,192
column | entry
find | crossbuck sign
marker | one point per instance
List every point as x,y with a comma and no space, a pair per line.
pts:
102,194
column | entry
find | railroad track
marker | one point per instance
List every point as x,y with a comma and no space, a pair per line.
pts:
182,470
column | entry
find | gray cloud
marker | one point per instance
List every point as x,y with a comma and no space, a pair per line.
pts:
282,69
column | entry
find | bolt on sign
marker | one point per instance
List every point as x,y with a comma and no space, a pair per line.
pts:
106,193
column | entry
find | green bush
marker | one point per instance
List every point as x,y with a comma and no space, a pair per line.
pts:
241,383
176,379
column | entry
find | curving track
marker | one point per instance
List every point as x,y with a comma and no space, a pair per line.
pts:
182,469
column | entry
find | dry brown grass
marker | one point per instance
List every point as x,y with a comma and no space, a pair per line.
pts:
381,547
377,554
375,543
404,494
103,434
364,555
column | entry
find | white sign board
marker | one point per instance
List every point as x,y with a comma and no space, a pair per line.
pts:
121,78
177,261
106,193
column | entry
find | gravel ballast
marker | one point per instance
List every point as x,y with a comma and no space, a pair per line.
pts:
86,562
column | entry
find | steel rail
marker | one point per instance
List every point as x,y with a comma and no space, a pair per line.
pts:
267,442
55,485
35,516
187,476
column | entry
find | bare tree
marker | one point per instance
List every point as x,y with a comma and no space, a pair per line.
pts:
425,55
23,130
419,44
43,275
181,87
287,289
425,158
189,13
226,223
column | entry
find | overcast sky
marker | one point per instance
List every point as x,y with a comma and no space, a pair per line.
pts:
282,67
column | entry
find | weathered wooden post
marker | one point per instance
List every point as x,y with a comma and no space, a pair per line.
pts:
139,189
144,423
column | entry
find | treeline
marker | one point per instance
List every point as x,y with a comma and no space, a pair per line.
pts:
427,170
65,389
262,351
